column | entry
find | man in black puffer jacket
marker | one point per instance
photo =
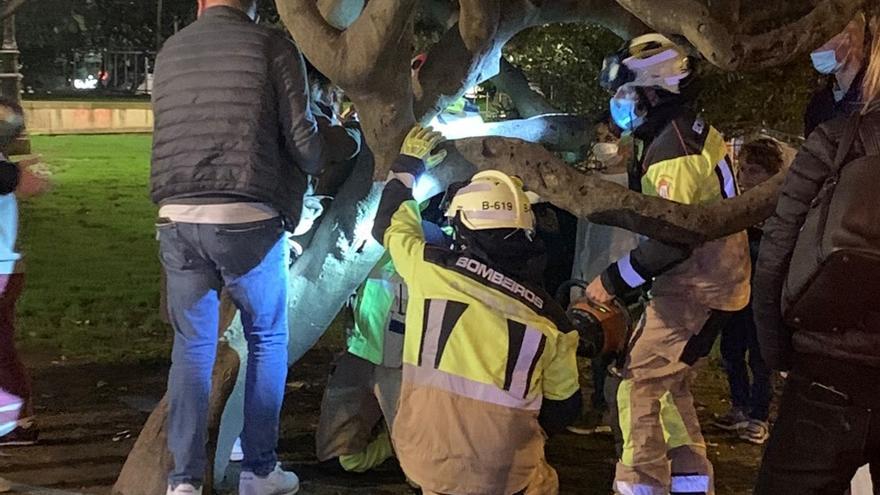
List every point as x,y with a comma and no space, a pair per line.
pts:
234,146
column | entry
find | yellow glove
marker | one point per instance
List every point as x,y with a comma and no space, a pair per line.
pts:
420,143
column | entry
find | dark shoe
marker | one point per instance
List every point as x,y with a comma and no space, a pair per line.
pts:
20,437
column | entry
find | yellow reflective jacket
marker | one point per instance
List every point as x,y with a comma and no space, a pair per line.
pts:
481,352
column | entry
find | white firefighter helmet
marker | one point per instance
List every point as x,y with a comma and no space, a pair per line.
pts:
494,200
651,60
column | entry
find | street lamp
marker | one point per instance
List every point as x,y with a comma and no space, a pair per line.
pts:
10,78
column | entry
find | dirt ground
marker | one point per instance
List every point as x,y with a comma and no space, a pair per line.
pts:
90,415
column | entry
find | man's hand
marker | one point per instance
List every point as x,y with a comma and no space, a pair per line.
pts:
30,183
420,143
597,292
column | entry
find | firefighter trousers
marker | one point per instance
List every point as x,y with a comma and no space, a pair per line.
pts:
663,449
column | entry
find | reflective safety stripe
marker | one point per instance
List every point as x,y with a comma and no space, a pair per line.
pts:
624,488
532,345
435,309
624,414
459,385
628,273
726,179
674,430
440,318
5,428
693,483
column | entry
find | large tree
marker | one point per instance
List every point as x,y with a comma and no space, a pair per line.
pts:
366,47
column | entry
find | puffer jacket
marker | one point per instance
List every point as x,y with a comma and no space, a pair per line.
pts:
232,116
809,171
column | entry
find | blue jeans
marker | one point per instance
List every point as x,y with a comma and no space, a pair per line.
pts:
739,338
250,261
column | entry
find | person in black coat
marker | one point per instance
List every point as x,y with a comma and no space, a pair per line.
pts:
827,425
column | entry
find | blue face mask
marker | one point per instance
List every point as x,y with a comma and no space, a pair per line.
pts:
825,61
624,111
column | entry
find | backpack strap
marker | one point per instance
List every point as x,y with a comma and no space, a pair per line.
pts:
869,132
846,144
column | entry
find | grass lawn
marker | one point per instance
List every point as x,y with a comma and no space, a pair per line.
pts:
91,256
89,245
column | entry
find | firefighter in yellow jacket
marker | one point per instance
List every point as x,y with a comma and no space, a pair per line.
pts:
489,358
693,291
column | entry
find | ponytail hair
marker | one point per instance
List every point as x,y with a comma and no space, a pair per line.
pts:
871,85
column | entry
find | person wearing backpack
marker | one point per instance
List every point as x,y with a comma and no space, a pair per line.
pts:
816,285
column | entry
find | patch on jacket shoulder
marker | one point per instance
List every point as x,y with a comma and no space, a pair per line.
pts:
699,125
664,187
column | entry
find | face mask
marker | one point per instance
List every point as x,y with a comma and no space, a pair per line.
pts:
831,57
825,61
624,110
606,153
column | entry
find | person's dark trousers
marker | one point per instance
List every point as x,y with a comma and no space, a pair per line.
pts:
740,353
599,370
250,261
828,427
13,375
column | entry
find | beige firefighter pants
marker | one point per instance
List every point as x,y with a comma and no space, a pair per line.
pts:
663,448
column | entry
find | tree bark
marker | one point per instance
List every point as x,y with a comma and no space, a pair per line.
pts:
601,201
9,7
528,102
732,51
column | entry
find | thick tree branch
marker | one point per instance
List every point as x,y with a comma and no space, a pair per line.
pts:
604,202
316,38
479,23
341,13
556,132
441,14
606,13
375,40
732,51
528,102
9,8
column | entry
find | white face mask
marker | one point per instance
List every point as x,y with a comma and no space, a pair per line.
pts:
831,57
625,109
825,61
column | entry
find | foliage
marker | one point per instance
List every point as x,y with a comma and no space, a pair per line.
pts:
51,32
92,288
771,99
564,61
